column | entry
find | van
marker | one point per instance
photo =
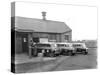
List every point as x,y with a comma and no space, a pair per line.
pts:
80,48
48,49
65,49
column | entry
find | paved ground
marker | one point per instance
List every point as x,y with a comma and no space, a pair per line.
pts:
61,63
39,66
24,58
78,62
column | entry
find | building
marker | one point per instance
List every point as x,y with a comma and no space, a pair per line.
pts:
38,30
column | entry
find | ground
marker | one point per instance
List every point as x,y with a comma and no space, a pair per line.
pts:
60,63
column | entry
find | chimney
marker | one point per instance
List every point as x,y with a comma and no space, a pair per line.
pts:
44,15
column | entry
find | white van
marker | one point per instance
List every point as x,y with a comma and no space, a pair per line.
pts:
65,49
80,48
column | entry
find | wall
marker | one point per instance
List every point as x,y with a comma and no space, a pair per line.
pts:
40,35
67,33
47,35
59,37
18,44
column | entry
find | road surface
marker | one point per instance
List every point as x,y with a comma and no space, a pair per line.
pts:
78,62
61,63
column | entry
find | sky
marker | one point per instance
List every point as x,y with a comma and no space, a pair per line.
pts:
81,19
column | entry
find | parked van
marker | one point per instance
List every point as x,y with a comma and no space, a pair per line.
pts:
48,49
80,48
65,49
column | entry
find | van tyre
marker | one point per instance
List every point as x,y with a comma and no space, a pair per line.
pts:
73,54
70,53
85,53
51,55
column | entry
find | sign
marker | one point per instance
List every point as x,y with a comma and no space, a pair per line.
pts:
43,40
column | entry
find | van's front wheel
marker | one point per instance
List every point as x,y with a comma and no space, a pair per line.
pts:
84,52
51,55
73,54
70,53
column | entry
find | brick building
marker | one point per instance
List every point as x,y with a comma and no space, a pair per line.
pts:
38,30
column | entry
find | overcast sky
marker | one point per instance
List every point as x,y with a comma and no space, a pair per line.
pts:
81,19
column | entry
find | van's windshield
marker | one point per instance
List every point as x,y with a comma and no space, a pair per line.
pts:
62,45
77,45
43,45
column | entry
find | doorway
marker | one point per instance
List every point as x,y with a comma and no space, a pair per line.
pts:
25,43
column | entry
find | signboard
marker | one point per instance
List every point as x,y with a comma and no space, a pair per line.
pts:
43,40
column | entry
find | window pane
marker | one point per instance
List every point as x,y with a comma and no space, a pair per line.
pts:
52,37
66,37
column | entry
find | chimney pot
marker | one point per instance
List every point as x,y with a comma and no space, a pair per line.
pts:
44,15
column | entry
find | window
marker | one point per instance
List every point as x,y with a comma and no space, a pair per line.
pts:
43,45
62,45
52,37
77,45
67,45
66,37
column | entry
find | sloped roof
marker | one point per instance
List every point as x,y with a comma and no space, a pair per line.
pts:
39,25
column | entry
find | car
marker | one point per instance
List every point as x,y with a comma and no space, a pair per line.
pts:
65,49
48,49
80,48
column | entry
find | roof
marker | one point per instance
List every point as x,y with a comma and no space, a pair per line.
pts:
39,25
